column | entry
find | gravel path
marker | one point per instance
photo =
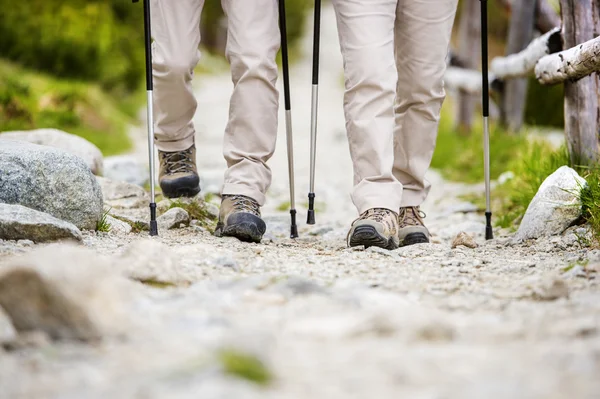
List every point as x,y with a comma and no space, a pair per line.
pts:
428,321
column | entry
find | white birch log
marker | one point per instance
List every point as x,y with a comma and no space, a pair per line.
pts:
522,64
465,80
569,65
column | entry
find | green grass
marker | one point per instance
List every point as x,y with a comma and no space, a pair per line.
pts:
590,200
31,100
532,164
102,225
245,366
459,157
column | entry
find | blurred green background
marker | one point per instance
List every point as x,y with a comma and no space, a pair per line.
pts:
78,65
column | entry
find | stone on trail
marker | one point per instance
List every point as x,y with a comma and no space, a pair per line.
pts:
172,218
122,195
550,289
65,291
49,180
118,226
20,223
125,168
554,207
152,262
464,239
71,143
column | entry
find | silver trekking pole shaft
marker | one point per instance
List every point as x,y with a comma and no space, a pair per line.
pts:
489,234
310,218
288,116
150,113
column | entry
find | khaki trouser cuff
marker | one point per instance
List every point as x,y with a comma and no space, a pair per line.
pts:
368,195
413,198
173,146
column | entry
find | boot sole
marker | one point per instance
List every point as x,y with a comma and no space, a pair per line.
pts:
181,192
244,227
369,237
414,238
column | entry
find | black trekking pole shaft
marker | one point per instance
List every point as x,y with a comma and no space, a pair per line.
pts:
310,218
489,234
150,112
288,116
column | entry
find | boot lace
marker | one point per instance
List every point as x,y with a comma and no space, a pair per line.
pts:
178,162
241,203
411,216
376,214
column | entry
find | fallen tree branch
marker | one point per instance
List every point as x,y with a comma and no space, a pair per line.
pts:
569,65
522,64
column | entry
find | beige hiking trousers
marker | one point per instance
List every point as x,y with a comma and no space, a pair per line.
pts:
253,40
394,55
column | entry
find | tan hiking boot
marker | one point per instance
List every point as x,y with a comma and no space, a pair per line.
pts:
411,228
376,227
239,217
178,176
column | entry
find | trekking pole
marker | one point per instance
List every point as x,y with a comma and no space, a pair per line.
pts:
310,219
150,118
489,234
288,116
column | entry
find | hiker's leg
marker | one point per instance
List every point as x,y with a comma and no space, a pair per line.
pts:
422,38
176,34
253,40
366,32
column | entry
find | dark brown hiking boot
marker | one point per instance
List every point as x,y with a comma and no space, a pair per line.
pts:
376,227
239,217
411,229
178,176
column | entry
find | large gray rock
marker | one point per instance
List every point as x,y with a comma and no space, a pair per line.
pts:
554,207
69,142
49,180
125,168
119,194
65,291
20,223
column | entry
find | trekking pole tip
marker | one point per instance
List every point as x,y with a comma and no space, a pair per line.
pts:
294,227
310,218
153,224
489,233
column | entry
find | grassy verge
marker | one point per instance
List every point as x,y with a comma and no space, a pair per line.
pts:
532,164
459,157
30,100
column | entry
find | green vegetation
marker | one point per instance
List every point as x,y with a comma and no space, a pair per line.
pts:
85,64
102,224
460,157
197,210
532,164
245,366
30,100
157,284
93,40
590,200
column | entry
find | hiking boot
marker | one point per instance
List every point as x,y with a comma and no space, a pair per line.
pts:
239,217
411,228
376,227
178,176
